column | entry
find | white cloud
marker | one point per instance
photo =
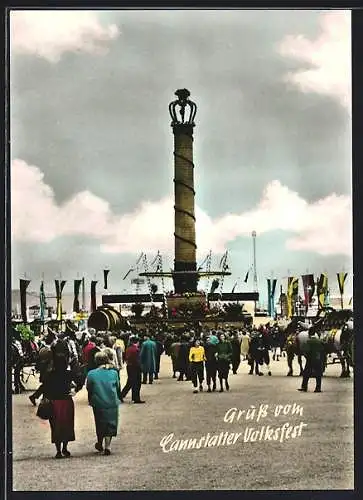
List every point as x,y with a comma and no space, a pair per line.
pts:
49,34
330,54
324,227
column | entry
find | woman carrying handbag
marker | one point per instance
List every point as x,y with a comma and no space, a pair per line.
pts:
57,389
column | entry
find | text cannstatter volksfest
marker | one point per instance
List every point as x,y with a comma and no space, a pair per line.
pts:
281,432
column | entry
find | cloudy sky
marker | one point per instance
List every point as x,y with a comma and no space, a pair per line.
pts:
91,142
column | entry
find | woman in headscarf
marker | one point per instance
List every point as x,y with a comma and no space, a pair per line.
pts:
104,395
211,361
57,385
112,357
224,358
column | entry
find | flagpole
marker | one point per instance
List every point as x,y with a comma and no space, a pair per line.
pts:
42,302
288,298
342,295
26,313
83,295
255,283
60,300
271,299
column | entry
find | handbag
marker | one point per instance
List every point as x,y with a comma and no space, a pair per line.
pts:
45,409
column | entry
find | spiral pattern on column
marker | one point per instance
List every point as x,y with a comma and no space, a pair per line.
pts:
182,210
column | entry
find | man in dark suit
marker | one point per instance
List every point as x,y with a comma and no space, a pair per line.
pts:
133,367
315,361
236,352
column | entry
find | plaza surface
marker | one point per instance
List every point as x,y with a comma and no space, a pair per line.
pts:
321,457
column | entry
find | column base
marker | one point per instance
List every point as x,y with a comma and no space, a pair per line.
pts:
186,277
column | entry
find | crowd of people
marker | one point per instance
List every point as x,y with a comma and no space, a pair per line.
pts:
69,361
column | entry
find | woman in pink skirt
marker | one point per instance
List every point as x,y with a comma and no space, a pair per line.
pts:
57,388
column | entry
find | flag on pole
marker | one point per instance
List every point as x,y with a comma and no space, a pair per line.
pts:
341,282
105,275
77,287
59,285
272,297
309,288
42,301
23,286
93,296
322,290
269,296
271,289
292,293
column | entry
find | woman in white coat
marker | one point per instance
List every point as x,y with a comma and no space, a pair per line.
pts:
245,345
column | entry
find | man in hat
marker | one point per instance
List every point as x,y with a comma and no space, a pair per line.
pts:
133,368
315,361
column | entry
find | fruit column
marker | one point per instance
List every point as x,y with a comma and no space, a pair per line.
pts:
185,277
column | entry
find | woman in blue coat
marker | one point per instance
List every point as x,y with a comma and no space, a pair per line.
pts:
148,360
104,395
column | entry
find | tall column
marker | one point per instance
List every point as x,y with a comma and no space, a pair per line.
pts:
184,216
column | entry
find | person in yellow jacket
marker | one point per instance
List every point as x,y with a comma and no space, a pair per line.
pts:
196,360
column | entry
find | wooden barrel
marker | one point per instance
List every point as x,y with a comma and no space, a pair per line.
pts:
106,318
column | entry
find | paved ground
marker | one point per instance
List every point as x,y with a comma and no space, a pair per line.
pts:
320,458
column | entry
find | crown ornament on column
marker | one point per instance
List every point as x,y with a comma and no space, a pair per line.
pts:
182,110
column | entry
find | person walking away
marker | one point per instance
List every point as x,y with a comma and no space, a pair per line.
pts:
245,345
276,349
133,368
224,358
173,352
119,347
57,386
99,345
44,366
148,359
159,352
254,353
183,359
211,361
236,352
112,358
167,343
196,360
265,348
315,362
87,348
104,395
